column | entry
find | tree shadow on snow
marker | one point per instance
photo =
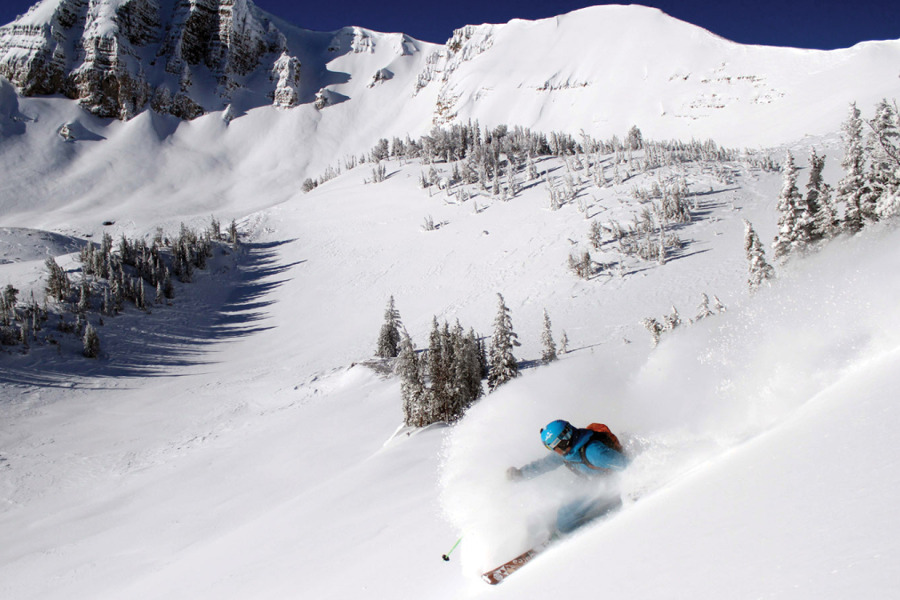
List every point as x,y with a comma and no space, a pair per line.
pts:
226,302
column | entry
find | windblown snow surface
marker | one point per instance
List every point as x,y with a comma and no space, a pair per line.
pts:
242,442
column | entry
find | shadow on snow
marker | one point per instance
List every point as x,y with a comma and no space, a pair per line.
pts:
227,301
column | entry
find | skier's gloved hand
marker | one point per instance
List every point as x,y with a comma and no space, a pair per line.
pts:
513,474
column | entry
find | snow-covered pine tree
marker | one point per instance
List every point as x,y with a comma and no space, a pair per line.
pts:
58,285
672,320
502,363
512,182
824,222
412,387
452,401
8,305
91,342
655,328
851,187
84,297
793,217
582,266
883,140
720,308
379,173
466,371
475,365
233,235
548,354
439,397
389,336
168,288
703,310
564,343
759,270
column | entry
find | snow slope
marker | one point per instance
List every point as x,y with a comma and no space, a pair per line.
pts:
241,443
258,463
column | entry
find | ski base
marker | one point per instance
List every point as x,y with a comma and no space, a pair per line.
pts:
497,575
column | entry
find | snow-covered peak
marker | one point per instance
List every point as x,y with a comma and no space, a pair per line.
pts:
610,67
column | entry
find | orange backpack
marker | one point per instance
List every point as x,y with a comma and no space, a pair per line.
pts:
604,435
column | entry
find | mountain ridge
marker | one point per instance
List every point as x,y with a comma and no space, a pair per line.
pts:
320,98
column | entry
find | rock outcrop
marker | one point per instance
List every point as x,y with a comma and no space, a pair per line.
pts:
116,57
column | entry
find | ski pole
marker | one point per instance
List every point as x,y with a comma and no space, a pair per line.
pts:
446,557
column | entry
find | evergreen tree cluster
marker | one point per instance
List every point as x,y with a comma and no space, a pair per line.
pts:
443,382
582,265
20,322
869,190
648,236
111,275
499,160
657,327
440,383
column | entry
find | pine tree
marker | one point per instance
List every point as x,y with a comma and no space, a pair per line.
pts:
794,220
168,288
466,371
672,320
58,285
412,386
91,342
449,393
84,299
883,182
549,346
851,187
437,373
474,361
655,328
389,337
233,234
759,270
503,365
815,196
825,223
10,297
703,310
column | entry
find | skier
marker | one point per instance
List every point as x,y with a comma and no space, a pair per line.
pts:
591,454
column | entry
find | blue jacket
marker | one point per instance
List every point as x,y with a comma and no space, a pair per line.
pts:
600,457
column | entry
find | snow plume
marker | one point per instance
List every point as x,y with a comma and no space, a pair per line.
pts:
499,518
707,388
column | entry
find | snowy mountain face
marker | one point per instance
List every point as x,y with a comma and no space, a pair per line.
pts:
188,57
307,100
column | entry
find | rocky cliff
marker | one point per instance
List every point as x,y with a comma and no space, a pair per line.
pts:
116,57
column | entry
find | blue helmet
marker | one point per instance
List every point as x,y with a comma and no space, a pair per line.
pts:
558,435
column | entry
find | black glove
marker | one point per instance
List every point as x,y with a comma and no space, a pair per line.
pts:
513,474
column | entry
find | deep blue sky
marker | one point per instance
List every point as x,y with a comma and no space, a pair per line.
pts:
822,24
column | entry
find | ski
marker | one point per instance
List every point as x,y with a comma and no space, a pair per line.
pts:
497,575
601,508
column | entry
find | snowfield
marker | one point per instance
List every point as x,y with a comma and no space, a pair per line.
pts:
242,442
